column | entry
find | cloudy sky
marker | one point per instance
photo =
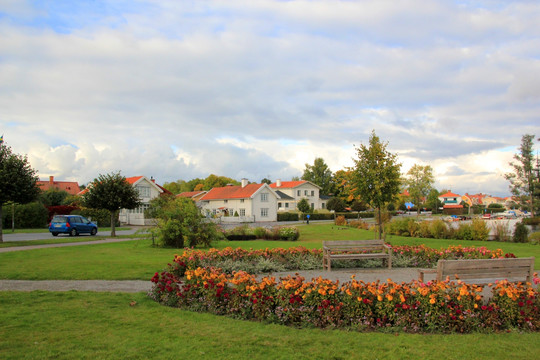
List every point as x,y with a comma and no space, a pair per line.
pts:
258,88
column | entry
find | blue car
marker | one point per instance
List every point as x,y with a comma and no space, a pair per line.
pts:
72,225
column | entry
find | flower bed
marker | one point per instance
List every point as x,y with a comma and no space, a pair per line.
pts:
300,258
412,307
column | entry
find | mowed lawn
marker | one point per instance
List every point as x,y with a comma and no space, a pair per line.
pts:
78,325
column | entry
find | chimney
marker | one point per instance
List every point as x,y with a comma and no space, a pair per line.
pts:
51,180
278,183
244,182
152,179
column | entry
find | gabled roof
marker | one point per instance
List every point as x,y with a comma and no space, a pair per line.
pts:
283,196
449,194
135,179
190,194
291,184
232,192
71,187
448,206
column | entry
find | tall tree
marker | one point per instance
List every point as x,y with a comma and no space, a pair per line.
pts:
522,179
266,181
376,175
419,181
18,181
320,174
111,192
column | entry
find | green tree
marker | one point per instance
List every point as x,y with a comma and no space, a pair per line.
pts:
335,204
53,197
111,192
320,174
419,181
304,207
522,179
18,181
180,223
266,181
376,176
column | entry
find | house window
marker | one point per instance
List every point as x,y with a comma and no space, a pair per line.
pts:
264,197
305,192
242,212
241,201
312,192
264,212
225,201
299,192
286,205
144,191
323,205
278,205
312,206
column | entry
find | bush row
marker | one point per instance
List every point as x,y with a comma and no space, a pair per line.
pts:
245,232
415,307
294,216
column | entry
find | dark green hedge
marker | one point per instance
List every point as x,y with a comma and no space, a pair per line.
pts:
28,216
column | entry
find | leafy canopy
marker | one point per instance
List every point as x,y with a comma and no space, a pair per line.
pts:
320,174
419,181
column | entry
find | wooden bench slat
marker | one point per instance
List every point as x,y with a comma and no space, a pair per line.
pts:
355,249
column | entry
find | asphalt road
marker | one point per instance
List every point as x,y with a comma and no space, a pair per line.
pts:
8,236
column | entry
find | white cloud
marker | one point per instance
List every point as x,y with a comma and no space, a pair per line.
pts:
250,89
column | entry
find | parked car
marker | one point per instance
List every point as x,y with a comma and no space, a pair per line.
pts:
486,216
72,225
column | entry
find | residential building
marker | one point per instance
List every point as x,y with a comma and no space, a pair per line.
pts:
243,203
451,203
194,195
71,187
148,190
291,192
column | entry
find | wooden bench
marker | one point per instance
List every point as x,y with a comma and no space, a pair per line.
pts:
355,250
483,271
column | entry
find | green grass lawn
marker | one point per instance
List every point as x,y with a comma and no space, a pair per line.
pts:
63,240
137,259
86,325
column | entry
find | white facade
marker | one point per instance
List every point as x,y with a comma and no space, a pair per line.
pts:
299,190
148,190
256,203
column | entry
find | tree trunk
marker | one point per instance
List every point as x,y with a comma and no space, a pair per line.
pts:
113,224
379,221
1,236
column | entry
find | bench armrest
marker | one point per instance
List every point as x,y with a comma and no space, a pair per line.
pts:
421,273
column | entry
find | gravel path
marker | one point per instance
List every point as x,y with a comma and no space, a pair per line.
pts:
32,247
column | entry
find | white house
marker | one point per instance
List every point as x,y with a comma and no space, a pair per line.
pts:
148,190
295,191
252,202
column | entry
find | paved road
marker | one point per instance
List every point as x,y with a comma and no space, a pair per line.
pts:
44,236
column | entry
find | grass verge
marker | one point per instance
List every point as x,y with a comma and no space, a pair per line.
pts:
86,325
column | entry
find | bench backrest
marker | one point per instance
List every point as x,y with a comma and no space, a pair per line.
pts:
486,269
349,245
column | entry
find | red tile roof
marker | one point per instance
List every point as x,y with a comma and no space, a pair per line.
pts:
232,192
449,194
132,180
288,184
452,206
189,194
71,187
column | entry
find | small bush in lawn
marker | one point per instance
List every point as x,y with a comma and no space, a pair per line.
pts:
464,232
501,231
521,233
341,221
534,238
260,232
480,230
423,229
289,233
438,229
359,224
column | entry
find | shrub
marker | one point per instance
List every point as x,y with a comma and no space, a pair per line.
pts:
534,238
423,229
438,229
100,216
521,233
240,237
341,221
531,221
359,224
480,230
31,215
260,233
287,216
289,233
501,231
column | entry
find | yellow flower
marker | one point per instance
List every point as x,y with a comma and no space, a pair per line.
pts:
432,301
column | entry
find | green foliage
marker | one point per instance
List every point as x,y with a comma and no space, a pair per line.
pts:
534,238
287,216
501,231
303,206
53,197
28,216
180,223
376,175
480,230
320,174
419,181
111,192
521,233
495,206
335,204
523,182
438,229
464,232
101,217
18,181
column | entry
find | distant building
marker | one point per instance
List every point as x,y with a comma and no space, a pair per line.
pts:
291,192
71,187
148,190
451,203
